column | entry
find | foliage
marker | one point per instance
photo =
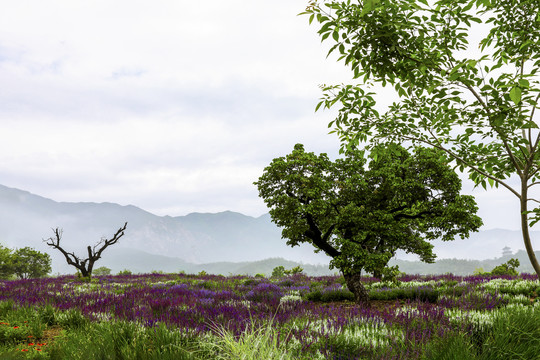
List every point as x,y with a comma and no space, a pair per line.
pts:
478,109
30,263
508,268
101,271
24,263
125,272
6,262
254,344
130,317
279,271
294,271
361,212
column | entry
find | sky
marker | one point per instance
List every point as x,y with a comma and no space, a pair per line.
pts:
173,106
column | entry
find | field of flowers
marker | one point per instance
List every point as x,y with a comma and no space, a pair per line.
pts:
179,316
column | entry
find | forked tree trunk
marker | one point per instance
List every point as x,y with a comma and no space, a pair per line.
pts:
354,283
525,228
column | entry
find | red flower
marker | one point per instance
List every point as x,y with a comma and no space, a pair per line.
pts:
15,327
24,350
30,344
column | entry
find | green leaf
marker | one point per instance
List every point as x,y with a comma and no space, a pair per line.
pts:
524,83
515,94
530,125
369,6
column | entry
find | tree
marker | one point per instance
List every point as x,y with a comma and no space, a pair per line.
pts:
85,266
6,262
102,271
479,109
278,272
30,263
360,213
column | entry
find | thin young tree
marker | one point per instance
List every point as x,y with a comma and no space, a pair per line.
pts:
475,100
84,265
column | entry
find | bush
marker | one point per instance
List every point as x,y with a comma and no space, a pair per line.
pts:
102,271
337,295
330,295
315,295
426,294
295,270
251,282
125,272
279,271
508,268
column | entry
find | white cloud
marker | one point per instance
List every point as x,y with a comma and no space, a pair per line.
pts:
171,105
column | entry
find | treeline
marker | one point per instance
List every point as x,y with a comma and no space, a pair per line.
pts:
463,267
23,263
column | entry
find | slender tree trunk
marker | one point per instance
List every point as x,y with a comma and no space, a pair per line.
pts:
354,283
525,228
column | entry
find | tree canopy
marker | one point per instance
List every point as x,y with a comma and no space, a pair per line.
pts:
25,263
361,212
475,100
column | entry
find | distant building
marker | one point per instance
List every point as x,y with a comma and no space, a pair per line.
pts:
506,252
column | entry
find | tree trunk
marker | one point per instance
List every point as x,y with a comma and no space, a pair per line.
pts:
354,283
84,272
525,228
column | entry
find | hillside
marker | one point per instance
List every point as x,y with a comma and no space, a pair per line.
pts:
225,242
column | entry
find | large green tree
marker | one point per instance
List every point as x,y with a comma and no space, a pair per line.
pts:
30,263
361,212
475,100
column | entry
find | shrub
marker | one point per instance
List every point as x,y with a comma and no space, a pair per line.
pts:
295,270
508,268
102,271
251,282
337,295
279,271
315,295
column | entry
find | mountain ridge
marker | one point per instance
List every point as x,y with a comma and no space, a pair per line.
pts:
196,238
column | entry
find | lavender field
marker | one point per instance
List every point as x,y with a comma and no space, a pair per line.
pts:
174,316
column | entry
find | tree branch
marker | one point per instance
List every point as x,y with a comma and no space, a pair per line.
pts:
458,158
315,234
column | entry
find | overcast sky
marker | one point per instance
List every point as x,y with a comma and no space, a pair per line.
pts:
170,105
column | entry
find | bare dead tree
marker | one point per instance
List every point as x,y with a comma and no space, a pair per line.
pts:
85,266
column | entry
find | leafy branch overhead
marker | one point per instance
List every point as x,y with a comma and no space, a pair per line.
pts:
465,75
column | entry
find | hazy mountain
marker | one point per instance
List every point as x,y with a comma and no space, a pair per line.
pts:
26,219
177,243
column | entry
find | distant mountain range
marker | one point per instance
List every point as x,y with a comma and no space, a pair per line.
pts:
184,243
